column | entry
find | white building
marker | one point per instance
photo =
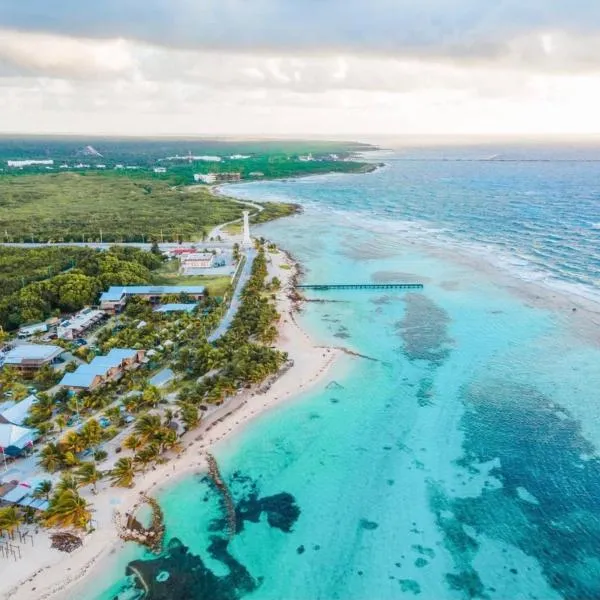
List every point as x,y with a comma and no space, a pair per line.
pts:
205,177
160,169
29,330
19,164
207,158
199,260
75,326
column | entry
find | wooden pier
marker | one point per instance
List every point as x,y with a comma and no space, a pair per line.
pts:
361,286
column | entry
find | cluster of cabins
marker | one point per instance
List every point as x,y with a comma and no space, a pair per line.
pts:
103,369
67,329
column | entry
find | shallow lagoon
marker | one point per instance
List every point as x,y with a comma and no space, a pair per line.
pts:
460,463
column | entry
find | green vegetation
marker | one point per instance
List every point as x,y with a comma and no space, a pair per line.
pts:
67,508
89,207
145,152
79,287
274,210
18,267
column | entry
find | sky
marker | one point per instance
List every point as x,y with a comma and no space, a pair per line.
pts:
300,67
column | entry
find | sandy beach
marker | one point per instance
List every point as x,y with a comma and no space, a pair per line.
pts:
44,573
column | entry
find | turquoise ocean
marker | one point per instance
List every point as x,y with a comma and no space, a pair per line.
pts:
462,462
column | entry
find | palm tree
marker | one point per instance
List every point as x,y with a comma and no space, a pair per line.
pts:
66,482
113,413
146,456
189,415
73,442
43,490
69,459
91,433
68,509
123,473
51,457
147,425
88,474
133,442
8,376
41,410
61,422
10,519
44,428
151,396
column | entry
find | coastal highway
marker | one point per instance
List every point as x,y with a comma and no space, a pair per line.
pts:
235,300
105,245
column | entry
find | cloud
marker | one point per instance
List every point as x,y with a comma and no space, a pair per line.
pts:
299,66
39,53
457,29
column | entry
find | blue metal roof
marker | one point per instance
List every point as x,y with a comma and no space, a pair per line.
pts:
84,375
115,293
26,352
174,307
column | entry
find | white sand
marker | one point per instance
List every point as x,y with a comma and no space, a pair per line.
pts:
47,573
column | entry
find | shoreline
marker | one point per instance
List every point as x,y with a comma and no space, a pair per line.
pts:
53,573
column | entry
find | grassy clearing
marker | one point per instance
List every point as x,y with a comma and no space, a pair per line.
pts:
169,274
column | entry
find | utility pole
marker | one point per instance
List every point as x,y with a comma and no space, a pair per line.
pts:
100,235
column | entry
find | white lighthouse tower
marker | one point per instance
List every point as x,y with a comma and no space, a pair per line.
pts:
247,242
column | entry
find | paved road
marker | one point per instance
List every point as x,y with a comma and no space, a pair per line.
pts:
106,245
235,300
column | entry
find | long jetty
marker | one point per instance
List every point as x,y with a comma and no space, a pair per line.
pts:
215,475
361,286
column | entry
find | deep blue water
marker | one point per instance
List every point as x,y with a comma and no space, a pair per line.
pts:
463,461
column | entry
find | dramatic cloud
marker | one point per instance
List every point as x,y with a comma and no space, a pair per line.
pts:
189,66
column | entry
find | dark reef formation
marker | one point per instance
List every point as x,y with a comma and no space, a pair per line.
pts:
424,330
178,574
547,505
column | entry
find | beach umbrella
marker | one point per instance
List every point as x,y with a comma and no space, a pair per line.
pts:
13,451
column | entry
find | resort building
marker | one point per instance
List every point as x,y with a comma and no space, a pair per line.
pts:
205,177
197,260
76,326
115,299
103,369
216,177
28,358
